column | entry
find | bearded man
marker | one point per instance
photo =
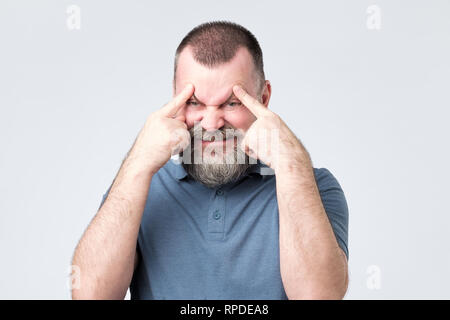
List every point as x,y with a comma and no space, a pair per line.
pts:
238,213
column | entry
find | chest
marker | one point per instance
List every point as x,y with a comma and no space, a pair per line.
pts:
222,246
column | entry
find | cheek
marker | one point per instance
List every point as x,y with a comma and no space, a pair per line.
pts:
241,119
192,116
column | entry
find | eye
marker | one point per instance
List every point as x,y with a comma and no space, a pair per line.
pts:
192,103
234,104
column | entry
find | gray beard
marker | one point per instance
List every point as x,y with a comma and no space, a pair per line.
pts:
222,172
215,175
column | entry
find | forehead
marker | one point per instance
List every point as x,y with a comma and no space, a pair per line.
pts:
214,85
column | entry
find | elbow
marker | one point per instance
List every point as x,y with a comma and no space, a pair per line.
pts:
321,291
90,285
319,294
92,295
98,292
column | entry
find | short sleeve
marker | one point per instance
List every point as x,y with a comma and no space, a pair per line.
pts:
104,198
335,204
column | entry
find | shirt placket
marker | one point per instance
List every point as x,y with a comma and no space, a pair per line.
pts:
216,215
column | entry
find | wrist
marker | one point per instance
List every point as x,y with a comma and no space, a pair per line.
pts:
129,179
138,167
293,159
141,162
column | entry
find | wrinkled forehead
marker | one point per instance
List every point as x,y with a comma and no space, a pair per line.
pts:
213,86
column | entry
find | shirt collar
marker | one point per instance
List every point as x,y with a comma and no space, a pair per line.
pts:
260,168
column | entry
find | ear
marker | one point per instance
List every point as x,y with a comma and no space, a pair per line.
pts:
266,93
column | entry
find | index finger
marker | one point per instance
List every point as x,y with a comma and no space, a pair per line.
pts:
250,102
171,108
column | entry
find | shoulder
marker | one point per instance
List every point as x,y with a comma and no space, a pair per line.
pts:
335,205
331,192
325,179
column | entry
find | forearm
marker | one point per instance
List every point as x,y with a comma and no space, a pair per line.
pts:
105,254
312,264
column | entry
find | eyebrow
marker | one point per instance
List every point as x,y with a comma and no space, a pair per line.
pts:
232,95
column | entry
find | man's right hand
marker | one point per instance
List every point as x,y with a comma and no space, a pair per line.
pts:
163,135
106,254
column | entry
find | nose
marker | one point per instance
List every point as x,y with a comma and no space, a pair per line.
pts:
212,119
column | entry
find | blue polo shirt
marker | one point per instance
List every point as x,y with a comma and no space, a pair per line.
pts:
201,243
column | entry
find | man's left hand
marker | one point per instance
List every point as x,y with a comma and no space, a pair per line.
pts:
269,138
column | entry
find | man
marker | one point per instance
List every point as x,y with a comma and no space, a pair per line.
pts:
218,228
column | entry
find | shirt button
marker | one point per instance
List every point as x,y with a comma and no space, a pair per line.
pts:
219,192
217,215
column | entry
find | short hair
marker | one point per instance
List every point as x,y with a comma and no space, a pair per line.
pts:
214,43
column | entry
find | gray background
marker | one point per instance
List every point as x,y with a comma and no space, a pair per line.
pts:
370,105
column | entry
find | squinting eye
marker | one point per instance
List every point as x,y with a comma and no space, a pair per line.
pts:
234,104
192,103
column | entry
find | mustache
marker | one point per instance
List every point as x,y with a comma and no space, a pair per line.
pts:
225,132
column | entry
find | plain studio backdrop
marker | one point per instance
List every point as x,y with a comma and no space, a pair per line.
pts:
363,84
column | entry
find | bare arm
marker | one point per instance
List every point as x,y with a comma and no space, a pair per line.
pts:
313,266
106,254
